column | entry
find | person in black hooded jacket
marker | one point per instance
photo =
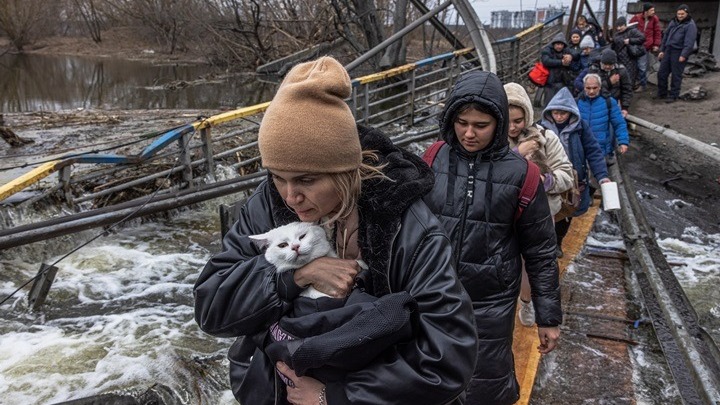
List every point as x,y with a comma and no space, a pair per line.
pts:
477,187
367,193
557,58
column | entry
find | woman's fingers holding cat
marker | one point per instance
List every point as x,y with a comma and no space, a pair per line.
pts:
528,147
334,277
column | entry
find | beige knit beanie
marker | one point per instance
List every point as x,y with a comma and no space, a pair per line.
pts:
308,127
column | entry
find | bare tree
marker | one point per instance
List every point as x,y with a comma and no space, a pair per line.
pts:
253,32
395,53
167,18
24,20
92,17
357,21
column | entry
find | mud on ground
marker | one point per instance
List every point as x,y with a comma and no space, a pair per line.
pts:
666,170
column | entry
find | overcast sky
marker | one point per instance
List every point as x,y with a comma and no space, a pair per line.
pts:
484,7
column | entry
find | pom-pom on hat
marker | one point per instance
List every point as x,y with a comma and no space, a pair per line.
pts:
608,57
308,127
648,6
587,42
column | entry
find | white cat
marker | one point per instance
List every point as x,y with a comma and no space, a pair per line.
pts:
294,245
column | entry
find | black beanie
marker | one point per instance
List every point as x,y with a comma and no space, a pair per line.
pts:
648,6
620,21
683,7
608,57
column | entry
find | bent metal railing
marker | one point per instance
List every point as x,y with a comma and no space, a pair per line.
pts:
516,55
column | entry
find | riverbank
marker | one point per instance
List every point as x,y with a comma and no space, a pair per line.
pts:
119,43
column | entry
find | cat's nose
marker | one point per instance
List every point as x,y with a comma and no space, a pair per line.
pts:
296,247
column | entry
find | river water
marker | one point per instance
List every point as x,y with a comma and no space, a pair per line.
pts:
119,316
52,83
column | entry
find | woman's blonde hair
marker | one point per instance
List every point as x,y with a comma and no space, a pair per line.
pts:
349,184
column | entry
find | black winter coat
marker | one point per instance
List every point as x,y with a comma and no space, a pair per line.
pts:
476,196
239,294
559,73
636,38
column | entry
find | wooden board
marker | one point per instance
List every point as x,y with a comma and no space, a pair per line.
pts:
525,339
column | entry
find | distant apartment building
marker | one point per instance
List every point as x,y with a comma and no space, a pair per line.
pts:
524,19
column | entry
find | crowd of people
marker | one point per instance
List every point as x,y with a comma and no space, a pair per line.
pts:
451,243
623,61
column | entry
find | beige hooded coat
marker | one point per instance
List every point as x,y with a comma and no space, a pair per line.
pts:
556,158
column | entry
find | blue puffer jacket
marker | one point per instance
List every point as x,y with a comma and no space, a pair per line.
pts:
680,35
601,115
580,145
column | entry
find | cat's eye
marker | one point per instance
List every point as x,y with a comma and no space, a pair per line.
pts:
302,236
283,245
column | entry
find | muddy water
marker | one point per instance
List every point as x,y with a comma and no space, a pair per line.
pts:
52,83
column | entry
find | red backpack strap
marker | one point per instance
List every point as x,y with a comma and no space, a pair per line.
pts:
529,188
431,152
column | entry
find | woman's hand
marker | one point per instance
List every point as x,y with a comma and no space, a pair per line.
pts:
334,277
307,390
660,55
528,147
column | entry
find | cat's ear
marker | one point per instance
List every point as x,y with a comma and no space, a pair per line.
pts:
261,240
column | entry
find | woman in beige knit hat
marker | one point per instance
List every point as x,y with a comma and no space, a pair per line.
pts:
526,138
323,168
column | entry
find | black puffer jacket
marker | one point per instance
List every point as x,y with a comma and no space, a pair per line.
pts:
404,246
476,196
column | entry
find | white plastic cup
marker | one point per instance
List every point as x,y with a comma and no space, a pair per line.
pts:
610,196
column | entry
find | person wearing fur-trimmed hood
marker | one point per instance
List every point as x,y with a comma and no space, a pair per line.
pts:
323,168
477,187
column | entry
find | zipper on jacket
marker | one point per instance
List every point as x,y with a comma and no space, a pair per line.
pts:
470,184
469,193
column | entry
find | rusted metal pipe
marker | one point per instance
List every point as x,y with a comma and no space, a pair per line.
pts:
707,150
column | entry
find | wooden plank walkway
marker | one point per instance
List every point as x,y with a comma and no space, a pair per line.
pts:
525,339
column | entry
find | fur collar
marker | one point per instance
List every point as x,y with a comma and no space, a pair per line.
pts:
381,205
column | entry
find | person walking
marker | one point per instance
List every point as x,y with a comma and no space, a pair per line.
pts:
628,43
562,116
649,24
557,58
603,115
530,140
366,192
677,44
615,78
478,182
